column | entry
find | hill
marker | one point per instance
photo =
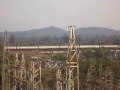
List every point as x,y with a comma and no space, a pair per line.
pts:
54,31
96,31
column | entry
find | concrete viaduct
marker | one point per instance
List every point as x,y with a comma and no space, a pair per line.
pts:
58,49
62,47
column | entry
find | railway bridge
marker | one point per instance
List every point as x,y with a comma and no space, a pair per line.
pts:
62,47
59,49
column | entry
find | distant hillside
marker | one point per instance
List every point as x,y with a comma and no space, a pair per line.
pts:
48,31
54,31
96,31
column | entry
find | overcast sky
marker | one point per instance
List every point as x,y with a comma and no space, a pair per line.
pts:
19,15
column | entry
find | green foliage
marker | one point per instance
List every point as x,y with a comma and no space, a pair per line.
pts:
59,56
48,78
103,53
51,83
103,56
99,56
89,54
84,67
12,40
116,69
63,40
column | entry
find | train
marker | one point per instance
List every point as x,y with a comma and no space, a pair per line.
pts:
62,47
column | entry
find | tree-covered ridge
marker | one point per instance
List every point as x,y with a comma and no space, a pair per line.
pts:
58,36
63,40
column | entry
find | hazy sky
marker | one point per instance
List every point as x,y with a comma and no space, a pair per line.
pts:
32,14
